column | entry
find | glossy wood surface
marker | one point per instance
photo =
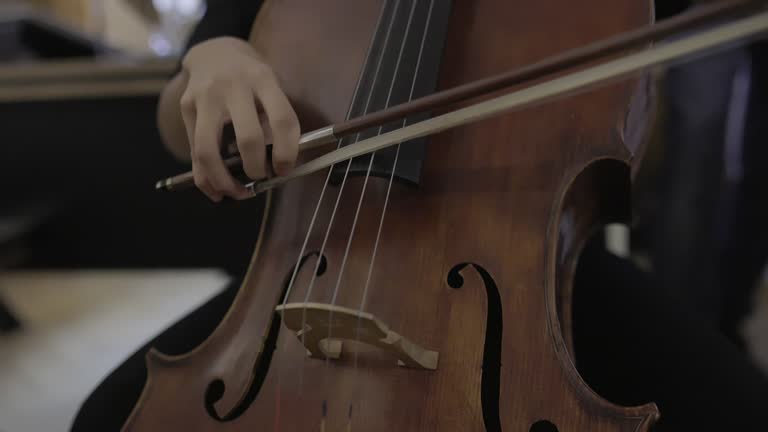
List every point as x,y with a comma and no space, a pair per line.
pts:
496,224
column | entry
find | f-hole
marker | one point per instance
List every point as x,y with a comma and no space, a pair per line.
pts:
490,378
216,388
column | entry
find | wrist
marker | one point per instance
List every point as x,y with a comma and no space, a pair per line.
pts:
218,46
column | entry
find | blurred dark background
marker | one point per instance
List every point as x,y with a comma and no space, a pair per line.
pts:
80,153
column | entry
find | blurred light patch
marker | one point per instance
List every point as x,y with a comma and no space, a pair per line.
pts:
163,6
160,45
187,8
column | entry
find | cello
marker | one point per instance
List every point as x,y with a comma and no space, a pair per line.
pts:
420,279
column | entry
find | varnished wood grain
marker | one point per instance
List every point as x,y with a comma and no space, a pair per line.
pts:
515,195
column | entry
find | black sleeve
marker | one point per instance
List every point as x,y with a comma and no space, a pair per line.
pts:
225,18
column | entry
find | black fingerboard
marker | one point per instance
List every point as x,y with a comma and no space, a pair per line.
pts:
398,70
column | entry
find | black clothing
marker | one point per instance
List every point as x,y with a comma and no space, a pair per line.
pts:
635,342
225,18
745,253
709,234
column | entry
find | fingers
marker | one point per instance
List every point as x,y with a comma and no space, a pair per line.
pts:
282,119
205,186
189,115
207,162
248,133
209,103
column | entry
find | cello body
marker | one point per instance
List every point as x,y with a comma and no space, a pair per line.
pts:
472,263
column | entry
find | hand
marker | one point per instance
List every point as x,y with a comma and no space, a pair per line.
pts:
229,82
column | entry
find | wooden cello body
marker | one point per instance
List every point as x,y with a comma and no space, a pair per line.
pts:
461,256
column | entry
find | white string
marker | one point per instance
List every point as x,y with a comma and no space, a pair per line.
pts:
392,175
370,163
341,190
389,185
297,265
365,186
349,162
322,191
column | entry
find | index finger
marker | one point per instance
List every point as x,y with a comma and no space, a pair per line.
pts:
283,122
207,152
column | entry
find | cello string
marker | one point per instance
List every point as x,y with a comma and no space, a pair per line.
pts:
346,172
293,280
364,297
370,164
352,230
310,229
295,271
338,197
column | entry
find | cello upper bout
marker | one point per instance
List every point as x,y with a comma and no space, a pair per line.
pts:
319,61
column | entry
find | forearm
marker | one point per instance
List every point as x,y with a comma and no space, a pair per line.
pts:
222,18
169,120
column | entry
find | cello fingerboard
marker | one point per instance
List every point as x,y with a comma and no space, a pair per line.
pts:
403,64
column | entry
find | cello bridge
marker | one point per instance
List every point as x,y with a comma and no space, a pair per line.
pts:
321,320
